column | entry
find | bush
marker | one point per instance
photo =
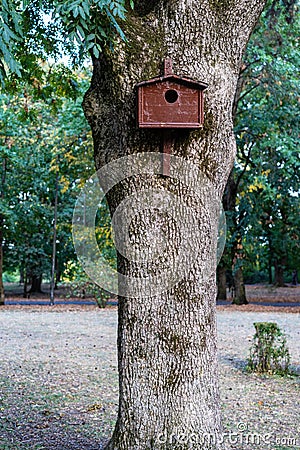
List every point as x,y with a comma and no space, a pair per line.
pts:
269,352
85,288
11,277
255,277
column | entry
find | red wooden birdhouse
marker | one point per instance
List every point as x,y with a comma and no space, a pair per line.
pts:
170,101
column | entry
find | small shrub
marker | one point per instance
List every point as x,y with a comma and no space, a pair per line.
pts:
11,277
269,352
256,277
86,288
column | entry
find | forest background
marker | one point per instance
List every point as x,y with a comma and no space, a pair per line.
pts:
46,157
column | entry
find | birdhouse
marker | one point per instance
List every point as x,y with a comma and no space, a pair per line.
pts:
170,101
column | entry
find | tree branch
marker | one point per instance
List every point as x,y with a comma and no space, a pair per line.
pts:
247,162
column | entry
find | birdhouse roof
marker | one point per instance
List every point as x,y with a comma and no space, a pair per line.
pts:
189,82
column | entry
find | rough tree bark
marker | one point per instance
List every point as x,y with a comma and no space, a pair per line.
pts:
167,342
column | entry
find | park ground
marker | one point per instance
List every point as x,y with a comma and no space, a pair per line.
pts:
59,381
261,298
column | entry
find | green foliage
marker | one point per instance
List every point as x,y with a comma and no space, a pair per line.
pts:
44,136
33,31
269,352
264,222
104,235
42,133
11,277
83,287
255,276
90,24
39,141
11,34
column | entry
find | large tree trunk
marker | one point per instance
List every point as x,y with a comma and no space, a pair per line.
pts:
167,340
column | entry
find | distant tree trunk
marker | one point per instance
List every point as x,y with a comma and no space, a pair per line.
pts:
294,278
270,250
57,278
222,286
236,252
3,178
2,294
25,293
52,282
22,278
36,284
239,288
167,341
270,270
279,264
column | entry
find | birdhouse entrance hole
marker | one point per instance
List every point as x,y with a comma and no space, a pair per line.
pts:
171,96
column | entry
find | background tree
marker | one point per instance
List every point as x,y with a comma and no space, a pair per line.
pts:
208,46
265,108
274,131
33,32
173,355
41,138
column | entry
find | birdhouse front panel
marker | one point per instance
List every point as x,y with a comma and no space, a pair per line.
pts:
169,104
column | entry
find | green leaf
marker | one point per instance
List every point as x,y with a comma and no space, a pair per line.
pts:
86,8
80,30
75,11
81,12
96,52
90,37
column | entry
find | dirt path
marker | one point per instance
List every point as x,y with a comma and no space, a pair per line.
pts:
59,384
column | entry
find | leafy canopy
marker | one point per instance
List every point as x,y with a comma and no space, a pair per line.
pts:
267,168
32,30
